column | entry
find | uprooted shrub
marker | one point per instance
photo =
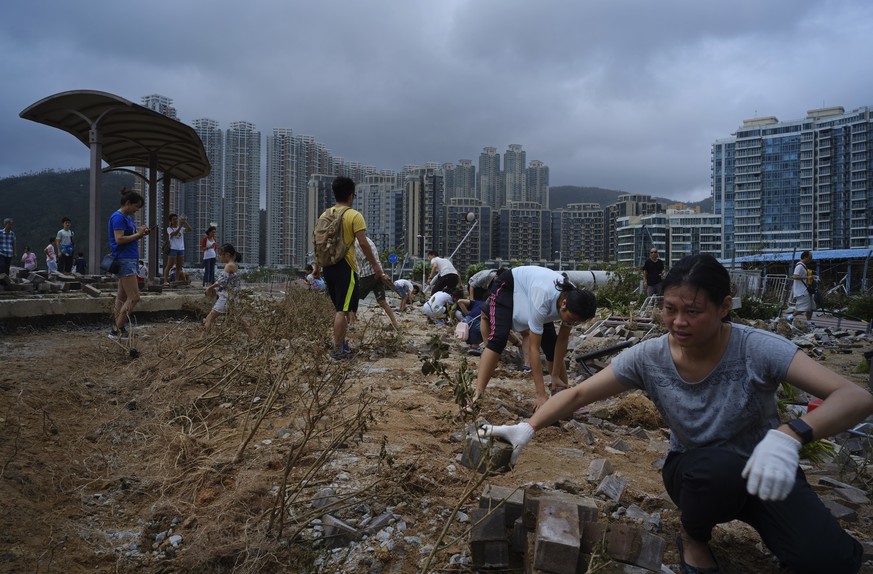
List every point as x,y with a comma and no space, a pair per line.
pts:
243,491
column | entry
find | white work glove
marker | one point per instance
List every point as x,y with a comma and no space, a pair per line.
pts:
771,469
516,435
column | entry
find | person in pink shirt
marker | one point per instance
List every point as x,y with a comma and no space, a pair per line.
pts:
29,259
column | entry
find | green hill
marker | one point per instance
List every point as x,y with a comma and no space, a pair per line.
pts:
563,195
38,201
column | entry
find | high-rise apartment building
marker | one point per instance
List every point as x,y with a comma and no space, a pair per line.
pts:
578,233
691,232
242,176
285,202
319,197
465,179
380,200
514,175
525,232
637,234
203,197
537,183
626,205
472,248
423,201
799,184
490,178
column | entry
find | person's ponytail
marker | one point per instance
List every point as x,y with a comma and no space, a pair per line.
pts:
580,302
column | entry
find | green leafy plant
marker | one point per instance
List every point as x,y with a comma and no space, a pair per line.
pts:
462,382
754,308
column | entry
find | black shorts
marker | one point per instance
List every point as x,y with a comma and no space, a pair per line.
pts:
369,284
342,286
498,311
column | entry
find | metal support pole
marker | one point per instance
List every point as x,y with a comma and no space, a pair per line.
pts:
95,140
154,240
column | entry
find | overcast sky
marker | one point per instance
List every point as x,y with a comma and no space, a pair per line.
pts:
622,94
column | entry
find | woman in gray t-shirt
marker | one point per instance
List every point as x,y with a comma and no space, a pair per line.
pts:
731,458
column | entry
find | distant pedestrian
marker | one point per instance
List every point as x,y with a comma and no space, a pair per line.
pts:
447,275
436,308
28,260
124,245
653,269
480,282
80,265
7,246
176,256
209,247
142,273
313,283
65,246
369,282
51,255
803,287
407,290
226,288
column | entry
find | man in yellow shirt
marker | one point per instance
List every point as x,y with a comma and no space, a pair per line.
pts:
341,278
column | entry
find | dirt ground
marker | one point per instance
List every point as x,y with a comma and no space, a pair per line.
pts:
105,458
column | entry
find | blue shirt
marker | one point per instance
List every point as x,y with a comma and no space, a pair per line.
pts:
7,240
126,224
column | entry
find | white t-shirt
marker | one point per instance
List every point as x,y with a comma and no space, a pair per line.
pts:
798,286
534,298
482,279
177,241
437,304
444,266
404,284
209,252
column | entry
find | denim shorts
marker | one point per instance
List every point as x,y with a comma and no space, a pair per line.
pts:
176,253
127,267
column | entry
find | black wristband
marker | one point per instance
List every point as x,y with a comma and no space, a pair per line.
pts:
801,429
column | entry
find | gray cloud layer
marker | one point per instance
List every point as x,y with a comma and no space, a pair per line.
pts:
626,94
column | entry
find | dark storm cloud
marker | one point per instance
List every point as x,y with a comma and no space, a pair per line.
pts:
622,94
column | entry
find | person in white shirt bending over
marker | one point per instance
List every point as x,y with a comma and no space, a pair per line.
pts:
447,275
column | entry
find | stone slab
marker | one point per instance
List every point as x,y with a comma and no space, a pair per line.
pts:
625,543
512,499
612,487
485,454
489,546
598,469
586,507
556,548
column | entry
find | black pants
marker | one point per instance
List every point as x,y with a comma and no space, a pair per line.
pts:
707,486
65,263
446,283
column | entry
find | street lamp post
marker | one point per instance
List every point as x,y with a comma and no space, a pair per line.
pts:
560,267
423,258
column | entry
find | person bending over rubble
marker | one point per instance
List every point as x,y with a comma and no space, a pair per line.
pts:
532,298
731,458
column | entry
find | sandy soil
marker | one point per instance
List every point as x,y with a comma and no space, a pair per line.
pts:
101,453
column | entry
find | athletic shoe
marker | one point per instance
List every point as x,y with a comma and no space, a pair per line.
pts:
346,348
341,355
114,334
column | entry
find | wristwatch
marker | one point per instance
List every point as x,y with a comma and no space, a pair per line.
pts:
801,429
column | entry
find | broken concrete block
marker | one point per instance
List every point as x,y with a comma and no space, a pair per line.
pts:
557,537
598,469
639,432
37,279
839,511
518,537
4,279
44,288
486,454
337,533
66,277
586,507
91,290
852,496
649,521
489,547
612,487
625,543
620,445
512,500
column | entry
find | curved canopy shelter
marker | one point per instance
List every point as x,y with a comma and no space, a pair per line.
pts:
124,135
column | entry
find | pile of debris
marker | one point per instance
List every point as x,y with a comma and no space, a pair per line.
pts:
43,281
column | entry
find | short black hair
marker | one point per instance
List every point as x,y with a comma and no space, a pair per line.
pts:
434,253
805,254
701,271
129,196
343,188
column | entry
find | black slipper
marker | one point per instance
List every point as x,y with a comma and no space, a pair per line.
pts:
686,569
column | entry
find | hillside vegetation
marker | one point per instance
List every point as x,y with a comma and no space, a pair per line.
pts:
37,202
